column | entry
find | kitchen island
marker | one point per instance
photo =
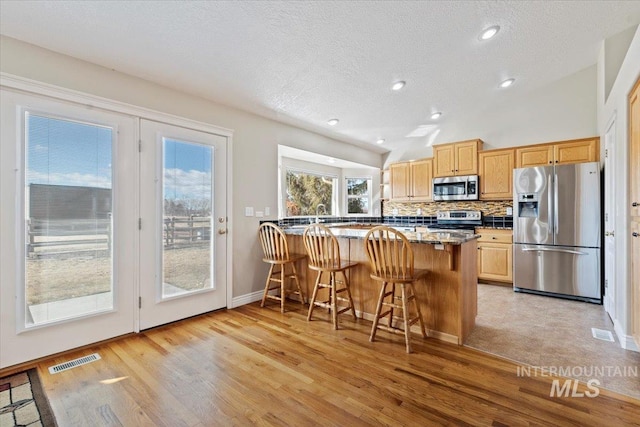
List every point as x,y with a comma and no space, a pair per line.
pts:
447,295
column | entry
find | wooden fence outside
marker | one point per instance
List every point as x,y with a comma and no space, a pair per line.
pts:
77,237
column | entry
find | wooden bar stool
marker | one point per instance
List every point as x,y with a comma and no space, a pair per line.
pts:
276,252
324,257
391,259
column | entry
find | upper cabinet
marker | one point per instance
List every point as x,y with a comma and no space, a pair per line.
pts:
459,158
411,181
559,153
496,172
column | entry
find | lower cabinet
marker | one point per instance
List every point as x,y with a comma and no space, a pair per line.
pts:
495,255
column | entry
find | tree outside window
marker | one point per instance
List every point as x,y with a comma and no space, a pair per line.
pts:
358,195
309,194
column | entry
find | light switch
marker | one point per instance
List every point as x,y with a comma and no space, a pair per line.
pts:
259,214
248,211
267,211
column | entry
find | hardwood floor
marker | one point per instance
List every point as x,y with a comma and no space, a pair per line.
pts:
258,366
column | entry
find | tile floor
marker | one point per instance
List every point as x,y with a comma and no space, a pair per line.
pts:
551,332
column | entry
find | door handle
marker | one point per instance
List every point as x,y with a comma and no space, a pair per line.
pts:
556,226
635,234
566,251
607,234
222,231
634,204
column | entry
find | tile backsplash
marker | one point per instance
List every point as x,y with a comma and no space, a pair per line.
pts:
488,208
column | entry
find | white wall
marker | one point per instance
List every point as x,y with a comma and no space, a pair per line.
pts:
255,140
565,109
616,105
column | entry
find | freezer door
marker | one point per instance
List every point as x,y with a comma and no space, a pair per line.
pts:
561,270
532,220
577,201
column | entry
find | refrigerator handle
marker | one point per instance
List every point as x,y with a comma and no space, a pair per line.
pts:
565,251
550,204
555,203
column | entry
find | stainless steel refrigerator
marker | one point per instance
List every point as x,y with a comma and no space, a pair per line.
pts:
556,221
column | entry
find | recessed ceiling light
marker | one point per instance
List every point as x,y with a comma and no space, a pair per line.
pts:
507,83
435,116
398,85
380,141
333,122
331,160
489,32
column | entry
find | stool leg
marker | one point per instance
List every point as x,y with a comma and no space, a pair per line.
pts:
266,287
393,301
376,318
417,304
283,294
295,277
405,316
334,300
346,284
312,303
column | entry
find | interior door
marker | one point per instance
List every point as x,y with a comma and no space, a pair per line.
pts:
609,221
68,190
183,223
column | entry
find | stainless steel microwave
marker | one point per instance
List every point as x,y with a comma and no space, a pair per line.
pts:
456,188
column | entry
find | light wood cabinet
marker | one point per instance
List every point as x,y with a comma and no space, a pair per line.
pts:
411,181
634,209
458,158
496,174
399,181
559,153
495,255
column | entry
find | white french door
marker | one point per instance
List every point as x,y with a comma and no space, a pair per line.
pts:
610,221
68,226
101,236
183,215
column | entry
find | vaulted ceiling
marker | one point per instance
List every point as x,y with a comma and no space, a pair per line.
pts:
305,62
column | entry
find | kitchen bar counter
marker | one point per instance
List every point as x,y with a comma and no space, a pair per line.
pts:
358,232
448,294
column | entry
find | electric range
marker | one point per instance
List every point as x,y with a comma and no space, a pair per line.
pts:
458,221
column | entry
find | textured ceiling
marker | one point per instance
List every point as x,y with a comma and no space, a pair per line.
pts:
305,62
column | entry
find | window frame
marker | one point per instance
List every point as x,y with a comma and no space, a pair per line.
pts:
335,197
369,195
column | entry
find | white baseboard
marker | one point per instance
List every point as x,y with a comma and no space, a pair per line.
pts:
626,341
246,299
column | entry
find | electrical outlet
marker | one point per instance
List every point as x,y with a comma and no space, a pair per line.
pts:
259,214
509,211
419,211
267,211
248,211
394,212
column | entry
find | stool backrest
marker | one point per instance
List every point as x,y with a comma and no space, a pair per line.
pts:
274,241
322,246
389,253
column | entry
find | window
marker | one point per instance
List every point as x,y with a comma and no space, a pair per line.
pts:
310,194
358,196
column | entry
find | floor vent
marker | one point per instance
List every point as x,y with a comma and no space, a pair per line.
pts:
601,334
73,363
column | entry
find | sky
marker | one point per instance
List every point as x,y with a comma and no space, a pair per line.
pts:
62,152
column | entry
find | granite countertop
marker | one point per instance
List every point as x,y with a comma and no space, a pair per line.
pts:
425,237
